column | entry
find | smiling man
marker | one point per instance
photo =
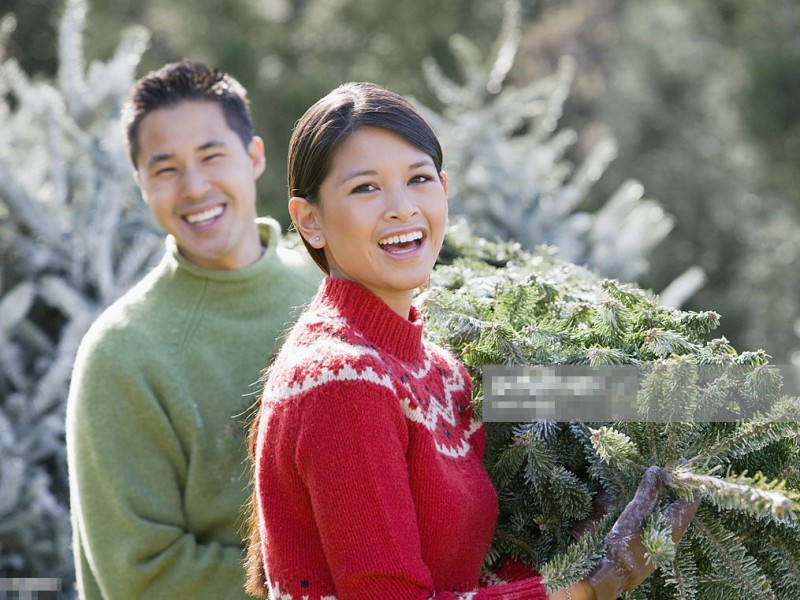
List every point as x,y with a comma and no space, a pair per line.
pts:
156,452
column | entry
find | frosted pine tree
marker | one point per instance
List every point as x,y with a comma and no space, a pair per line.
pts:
74,235
509,175
561,484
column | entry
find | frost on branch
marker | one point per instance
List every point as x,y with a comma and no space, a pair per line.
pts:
74,236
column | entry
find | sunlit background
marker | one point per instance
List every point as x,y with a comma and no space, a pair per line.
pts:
701,97
656,141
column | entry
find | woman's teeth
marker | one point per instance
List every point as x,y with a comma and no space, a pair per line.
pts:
401,239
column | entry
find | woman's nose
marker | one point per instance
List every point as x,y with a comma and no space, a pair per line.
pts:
401,205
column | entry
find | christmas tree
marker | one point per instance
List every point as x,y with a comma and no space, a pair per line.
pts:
561,484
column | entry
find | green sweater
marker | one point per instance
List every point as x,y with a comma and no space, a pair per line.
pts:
155,437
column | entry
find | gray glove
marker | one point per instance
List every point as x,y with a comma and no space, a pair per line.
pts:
624,567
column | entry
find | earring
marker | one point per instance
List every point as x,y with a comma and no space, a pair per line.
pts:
316,239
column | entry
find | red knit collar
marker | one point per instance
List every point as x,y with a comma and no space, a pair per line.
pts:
373,318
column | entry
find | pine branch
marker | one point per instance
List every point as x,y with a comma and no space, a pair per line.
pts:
506,46
577,561
508,464
776,547
683,575
616,448
669,391
756,495
730,560
15,304
71,71
748,437
657,540
664,343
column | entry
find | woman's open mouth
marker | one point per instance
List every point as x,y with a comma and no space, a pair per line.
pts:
402,244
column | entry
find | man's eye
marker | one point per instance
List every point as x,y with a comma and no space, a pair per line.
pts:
166,170
364,188
211,156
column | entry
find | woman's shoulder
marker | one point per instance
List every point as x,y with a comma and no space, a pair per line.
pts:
445,359
321,351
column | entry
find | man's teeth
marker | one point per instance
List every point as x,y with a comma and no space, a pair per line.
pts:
401,239
206,215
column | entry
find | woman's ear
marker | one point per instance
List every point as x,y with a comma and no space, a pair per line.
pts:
443,179
305,217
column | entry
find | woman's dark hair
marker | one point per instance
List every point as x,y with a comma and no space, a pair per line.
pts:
324,126
316,137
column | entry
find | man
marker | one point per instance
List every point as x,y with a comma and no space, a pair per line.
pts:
163,379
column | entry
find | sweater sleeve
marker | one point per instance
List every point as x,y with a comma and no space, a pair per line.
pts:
351,457
127,466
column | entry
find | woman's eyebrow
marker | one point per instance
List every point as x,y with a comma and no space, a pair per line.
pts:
428,162
359,173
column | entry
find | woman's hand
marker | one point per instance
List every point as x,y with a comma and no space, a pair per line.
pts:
625,566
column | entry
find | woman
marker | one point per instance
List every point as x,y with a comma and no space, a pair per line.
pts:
368,474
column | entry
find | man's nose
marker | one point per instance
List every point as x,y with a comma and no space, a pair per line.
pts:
194,183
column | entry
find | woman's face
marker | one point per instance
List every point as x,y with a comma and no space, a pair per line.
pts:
382,213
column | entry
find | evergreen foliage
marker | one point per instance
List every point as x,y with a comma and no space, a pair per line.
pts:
493,303
508,166
691,87
74,236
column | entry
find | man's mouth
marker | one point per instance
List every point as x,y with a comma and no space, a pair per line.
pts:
205,216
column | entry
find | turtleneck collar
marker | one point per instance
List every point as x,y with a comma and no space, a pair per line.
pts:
268,230
373,318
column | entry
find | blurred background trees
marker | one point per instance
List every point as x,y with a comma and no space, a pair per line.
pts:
668,144
700,96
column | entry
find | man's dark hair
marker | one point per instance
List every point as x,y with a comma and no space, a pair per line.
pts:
179,82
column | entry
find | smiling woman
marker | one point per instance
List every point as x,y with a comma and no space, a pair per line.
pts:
369,481
380,215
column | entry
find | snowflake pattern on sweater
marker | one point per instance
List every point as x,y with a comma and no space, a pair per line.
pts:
369,471
362,361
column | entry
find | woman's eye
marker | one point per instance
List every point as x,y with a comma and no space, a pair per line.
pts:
420,179
364,188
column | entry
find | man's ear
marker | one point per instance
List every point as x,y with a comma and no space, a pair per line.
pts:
137,177
255,150
305,217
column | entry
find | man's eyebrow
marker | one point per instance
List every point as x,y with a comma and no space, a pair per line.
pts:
212,143
157,158
163,156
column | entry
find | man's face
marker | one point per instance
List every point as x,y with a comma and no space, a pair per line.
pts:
200,183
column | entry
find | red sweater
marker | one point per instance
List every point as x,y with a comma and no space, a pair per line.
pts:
369,465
